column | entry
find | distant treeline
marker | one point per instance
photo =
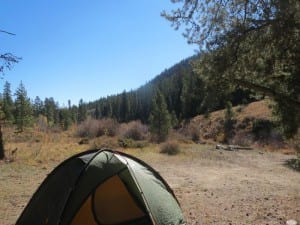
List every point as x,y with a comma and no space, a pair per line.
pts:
185,93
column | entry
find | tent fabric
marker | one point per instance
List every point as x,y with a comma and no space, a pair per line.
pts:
162,204
103,187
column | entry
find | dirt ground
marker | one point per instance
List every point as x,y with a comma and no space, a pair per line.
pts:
213,187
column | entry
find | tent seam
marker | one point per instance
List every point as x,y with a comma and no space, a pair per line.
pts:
140,190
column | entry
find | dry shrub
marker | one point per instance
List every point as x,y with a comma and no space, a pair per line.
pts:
170,148
134,130
104,142
243,139
130,143
191,131
88,128
42,123
108,127
95,128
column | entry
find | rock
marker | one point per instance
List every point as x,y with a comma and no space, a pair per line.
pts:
291,222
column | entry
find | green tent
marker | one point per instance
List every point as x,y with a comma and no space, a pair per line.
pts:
103,187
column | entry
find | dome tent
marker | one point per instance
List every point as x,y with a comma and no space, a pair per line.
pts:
103,187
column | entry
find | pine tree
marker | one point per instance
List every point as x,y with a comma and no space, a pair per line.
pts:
160,121
50,110
97,113
7,103
124,107
23,113
38,107
65,118
82,111
250,44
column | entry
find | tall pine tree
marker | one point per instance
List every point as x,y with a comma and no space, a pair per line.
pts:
23,113
160,119
8,104
82,111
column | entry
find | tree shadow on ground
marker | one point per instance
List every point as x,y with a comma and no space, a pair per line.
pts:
293,164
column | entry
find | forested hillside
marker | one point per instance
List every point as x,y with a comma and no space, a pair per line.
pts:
184,92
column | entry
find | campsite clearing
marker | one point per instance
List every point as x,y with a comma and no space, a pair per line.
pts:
213,187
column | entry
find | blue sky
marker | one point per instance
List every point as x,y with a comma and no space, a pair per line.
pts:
73,49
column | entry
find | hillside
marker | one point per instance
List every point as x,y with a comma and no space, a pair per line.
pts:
253,126
185,93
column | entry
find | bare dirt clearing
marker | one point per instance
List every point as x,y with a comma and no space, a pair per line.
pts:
213,187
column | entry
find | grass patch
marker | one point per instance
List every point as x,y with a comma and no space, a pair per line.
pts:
170,148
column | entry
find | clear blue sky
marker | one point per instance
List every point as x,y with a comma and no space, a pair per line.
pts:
75,49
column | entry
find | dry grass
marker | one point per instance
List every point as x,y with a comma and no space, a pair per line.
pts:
213,187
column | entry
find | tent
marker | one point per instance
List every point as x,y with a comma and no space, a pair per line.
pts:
103,187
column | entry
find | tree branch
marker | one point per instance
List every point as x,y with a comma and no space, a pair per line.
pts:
6,32
269,92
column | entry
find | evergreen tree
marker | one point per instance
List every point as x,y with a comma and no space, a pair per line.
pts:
174,120
50,110
97,114
124,108
69,104
160,121
74,114
192,95
82,111
38,107
248,43
23,113
7,103
65,119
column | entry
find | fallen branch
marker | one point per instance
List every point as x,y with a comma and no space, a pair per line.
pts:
232,147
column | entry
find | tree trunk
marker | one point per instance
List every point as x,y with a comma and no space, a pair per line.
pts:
2,155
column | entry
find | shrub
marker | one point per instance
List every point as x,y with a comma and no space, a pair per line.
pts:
195,134
129,143
191,131
126,143
262,128
42,123
104,142
95,128
108,127
136,130
170,148
88,128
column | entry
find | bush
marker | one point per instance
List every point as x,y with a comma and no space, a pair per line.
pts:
108,127
135,130
95,128
192,131
125,143
262,128
170,148
130,143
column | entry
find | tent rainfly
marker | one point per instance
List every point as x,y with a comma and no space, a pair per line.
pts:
103,187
